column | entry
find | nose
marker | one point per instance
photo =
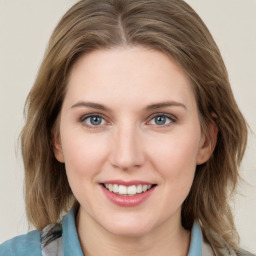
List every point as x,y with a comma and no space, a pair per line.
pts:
127,148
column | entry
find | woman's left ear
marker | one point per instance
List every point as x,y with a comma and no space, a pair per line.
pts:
207,143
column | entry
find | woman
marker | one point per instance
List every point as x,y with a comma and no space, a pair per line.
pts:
136,136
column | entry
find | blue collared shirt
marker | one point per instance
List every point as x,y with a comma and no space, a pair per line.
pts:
67,243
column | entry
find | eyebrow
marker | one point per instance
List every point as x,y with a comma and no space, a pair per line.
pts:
148,108
90,105
166,104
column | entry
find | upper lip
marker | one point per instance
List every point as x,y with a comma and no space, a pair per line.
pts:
127,183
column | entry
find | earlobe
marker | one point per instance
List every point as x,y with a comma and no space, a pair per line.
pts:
208,143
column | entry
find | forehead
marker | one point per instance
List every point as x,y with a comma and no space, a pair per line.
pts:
136,74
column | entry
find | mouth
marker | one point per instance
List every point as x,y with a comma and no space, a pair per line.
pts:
131,190
127,193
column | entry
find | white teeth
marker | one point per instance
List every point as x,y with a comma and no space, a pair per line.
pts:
139,189
127,190
115,188
144,188
131,190
122,190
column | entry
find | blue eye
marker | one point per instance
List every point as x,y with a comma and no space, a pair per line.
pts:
161,120
94,120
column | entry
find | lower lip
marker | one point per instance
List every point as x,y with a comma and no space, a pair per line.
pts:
128,201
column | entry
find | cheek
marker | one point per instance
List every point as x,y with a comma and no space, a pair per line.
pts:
176,160
83,155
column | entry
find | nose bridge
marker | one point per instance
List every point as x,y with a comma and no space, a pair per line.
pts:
127,150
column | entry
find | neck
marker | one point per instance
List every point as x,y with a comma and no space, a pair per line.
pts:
168,239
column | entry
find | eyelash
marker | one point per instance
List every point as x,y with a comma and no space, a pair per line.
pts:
168,116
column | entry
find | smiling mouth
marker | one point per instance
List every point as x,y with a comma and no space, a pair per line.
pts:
127,190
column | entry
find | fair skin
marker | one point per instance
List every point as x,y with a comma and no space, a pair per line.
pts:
129,141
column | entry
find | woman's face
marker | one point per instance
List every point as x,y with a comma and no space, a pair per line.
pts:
129,122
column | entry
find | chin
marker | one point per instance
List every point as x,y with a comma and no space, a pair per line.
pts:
129,232
129,227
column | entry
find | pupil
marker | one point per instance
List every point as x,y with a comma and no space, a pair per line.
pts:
160,120
95,120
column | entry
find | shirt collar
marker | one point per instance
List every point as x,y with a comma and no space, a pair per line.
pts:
196,241
71,244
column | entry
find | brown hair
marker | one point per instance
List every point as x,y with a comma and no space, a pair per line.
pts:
172,27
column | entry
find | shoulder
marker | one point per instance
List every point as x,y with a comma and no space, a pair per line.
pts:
28,244
244,253
224,249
